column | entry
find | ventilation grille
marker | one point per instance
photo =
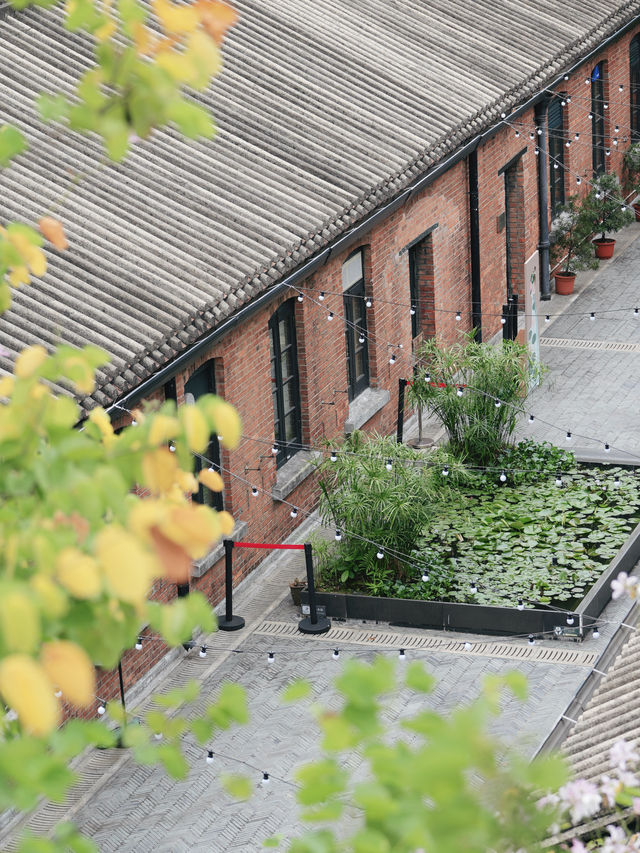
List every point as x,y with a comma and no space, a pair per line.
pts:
575,343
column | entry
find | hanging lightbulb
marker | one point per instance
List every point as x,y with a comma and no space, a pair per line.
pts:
577,136
321,297
401,655
636,312
596,634
616,482
300,297
587,81
134,422
605,106
592,316
568,435
336,654
555,165
517,134
274,449
425,577
427,376
578,180
380,554
172,447
138,645
157,735
412,311
392,360
547,317
338,535
590,116
607,447
57,693
473,587
101,709
532,135
203,652
497,403
620,87
330,316
209,758
294,512
607,153
361,339
558,480
271,657
531,641
503,320
570,620
503,477
334,456
539,131
254,491
568,143
536,150
520,604
265,779
531,419
568,99
558,630
467,646
460,391
458,316
389,465
445,471
368,302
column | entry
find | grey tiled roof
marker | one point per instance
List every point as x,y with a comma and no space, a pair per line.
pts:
325,109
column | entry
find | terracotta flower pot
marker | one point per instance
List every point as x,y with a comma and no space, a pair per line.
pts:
604,248
636,208
565,282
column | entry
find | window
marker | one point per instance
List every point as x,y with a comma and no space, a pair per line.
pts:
285,385
634,87
556,154
356,324
421,286
597,119
203,381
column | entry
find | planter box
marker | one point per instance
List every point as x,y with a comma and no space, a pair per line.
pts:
479,618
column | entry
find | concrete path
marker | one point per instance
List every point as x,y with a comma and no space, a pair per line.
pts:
123,807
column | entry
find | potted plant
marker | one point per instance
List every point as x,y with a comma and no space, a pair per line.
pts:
631,162
606,211
570,236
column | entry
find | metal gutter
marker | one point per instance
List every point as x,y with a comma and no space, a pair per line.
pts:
474,241
343,242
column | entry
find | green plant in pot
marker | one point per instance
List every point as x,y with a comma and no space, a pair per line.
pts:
605,210
570,236
631,162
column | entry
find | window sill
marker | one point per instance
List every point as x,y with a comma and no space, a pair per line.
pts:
202,566
294,472
364,407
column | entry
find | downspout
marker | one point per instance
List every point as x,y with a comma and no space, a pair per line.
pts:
474,240
540,112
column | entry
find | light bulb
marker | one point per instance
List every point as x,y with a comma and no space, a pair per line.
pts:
138,645
294,512
592,316
389,465
172,448
517,134
607,448
459,392
458,315
334,456
570,620
254,491
271,657
220,438
531,419
380,554
596,634
558,480
427,376
616,483
445,471
473,587
497,404
568,143
605,106
368,302
636,312
336,654
568,435
157,736
577,136
532,135
265,779
467,646
330,316
620,87
566,76
101,709
563,103
392,360
539,131
503,477
558,630
134,422
203,652
401,655
57,693
503,320
536,151
546,318
321,297
209,758
555,165
590,116
425,577
274,449
361,339
412,311
568,99
607,152
520,604
300,297
578,180
531,641
338,536
587,81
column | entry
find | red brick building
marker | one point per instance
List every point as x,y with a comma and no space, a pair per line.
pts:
394,166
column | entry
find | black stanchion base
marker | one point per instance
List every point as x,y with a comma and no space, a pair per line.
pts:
306,626
233,624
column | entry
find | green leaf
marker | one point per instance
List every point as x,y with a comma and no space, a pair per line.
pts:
274,841
12,143
191,119
418,678
238,787
297,690
52,107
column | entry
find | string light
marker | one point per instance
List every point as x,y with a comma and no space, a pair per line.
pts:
607,448
101,709
338,535
558,480
380,554
389,465
520,604
294,512
570,620
568,435
392,360
616,482
336,654
330,316
531,418
203,652
402,655
467,646
138,645
209,758
265,779
254,491
321,296
592,316
473,587
458,316
361,339
368,302
531,640
425,577
271,657
497,403
274,449
503,477
595,634
547,318
445,471
300,297
334,456
460,391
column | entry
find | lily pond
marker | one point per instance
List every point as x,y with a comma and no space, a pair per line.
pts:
544,541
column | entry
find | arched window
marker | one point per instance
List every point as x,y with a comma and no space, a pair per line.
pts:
285,385
356,324
556,154
597,119
634,88
203,381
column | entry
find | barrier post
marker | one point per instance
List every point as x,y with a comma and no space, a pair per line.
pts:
312,624
229,622
402,384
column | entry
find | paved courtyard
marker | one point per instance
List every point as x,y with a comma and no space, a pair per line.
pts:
123,807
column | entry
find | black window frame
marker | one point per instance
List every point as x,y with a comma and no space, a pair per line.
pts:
634,88
598,128
287,447
203,381
555,126
355,313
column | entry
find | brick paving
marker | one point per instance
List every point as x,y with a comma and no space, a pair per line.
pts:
131,808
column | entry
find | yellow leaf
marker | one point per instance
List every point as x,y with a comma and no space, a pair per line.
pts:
144,515
196,428
78,573
54,232
144,39
101,419
163,427
20,621
211,479
173,557
6,386
226,522
206,57
128,567
187,482
18,276
105,32
70,669
32,255
194,526
29,360
26,689
80,373
53,600
216,18
178,65
159,470
176,19
224,420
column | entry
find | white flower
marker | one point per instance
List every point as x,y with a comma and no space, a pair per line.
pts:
577,846
624,583
621,753
628,779
581,797
609,788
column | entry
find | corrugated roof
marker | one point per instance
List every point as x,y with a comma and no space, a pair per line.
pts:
325,111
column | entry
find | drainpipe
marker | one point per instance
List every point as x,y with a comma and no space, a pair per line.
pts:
543,200
474,239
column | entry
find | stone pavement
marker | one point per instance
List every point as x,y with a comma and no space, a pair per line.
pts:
123,807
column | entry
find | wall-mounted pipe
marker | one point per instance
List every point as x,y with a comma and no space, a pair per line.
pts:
540,112
474,241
